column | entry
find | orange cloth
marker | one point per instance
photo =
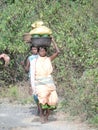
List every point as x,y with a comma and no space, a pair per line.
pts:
43,67
45,87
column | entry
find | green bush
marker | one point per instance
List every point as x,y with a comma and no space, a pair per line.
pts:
81,96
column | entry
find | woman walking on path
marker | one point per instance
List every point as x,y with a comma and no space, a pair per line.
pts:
45,87
30,67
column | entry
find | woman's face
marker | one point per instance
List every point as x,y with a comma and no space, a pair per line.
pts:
42,52
34,50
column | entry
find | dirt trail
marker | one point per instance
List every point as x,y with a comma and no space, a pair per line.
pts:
19,117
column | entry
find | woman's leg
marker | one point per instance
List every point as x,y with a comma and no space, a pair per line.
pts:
47,114
37,102
38,109
41,114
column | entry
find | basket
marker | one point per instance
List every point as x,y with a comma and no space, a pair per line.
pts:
27,38
41,41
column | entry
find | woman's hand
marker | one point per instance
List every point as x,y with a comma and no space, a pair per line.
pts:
55,54
55,45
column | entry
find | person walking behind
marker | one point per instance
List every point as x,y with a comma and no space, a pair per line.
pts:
30,67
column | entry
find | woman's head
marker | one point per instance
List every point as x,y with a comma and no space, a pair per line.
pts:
34,50
42,51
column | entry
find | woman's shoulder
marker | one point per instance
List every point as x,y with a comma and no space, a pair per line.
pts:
48,58
32,57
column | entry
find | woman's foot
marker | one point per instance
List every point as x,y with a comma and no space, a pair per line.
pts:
45,119
38,112
42,119
42,115
46,115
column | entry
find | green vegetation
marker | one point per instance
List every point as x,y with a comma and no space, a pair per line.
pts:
17,93
75,27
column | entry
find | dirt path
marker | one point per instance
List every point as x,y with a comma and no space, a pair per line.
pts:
18,117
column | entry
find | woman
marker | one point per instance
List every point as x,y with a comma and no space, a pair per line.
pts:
45,88
30,67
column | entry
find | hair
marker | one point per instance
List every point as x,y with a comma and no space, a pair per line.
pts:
33,46
45,48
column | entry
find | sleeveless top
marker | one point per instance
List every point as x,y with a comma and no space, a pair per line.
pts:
43,67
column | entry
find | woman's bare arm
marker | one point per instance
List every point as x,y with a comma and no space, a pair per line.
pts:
27,66
57,51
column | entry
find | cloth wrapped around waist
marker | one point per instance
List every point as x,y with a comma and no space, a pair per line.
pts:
46,90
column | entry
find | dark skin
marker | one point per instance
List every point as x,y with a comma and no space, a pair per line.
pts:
52,57
44,113
42,51
27,66
34,51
